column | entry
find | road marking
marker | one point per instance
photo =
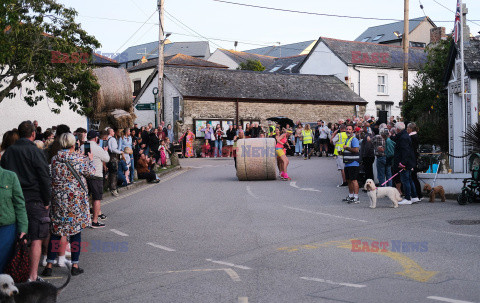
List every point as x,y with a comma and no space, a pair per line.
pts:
324,214
457,234
142,188
228,264
334,283
294,184
119,233
447,300
230,272
249,191
411,269
160,246
51,278
242,299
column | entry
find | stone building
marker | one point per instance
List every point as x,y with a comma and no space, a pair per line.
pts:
195,96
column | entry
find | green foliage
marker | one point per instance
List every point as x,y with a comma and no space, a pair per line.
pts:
29,31
427,103
254,65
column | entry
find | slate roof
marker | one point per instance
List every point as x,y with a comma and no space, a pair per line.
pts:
194,49
240,57
387,30
287,50
286,65
98,59
178,59
228,84
389,56
471,51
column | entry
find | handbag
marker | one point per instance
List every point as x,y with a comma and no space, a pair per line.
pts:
19,265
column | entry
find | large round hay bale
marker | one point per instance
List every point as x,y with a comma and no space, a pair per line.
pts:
256,159
115,90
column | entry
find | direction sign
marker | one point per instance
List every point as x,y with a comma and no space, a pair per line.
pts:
145,106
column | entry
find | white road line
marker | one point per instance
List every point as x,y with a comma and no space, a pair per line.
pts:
249,191
242,299
235,277
294,184
119,233
458,234
447,300
160,246
142,188
324,214
228,264
334,283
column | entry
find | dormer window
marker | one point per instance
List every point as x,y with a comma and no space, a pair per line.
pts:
365,39
378,37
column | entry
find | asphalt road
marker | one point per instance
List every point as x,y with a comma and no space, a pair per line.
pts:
202,236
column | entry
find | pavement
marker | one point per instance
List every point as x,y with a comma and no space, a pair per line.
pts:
200,235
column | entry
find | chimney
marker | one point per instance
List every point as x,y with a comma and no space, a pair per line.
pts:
466,28
437,34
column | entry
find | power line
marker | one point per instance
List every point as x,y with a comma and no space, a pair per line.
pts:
472,21
136,31
317,14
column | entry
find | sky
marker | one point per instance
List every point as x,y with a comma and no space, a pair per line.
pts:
251,27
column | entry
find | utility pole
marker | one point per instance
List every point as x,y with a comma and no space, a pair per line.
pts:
406,43
159,102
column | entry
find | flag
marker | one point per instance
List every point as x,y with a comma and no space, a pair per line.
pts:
458,26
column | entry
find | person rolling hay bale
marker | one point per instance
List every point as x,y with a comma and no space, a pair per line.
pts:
256,159
113,103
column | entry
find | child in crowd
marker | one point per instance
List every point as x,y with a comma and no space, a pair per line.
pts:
163,158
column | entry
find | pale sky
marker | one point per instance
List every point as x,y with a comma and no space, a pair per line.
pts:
261,27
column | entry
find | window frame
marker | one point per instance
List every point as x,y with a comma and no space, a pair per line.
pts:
384,85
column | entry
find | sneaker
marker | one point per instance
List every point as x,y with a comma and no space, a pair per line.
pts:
343,184
76,271
155,181
47,272
164,167
37,280
354,201
102,217
405,202
415,200
97,225
348,198
115,193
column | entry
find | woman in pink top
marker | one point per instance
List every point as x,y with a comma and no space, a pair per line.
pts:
282,160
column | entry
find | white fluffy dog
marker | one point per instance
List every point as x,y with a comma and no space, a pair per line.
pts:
7,289
374,192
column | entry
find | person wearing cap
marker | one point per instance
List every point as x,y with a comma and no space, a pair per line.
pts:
95,182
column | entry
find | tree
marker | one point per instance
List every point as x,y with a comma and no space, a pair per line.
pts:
35,35
427,103
254,65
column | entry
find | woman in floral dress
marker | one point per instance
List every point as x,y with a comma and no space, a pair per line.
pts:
70,210
187,143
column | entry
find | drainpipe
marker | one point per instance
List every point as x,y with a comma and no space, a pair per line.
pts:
354,67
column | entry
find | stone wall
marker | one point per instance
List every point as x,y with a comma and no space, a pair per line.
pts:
261,111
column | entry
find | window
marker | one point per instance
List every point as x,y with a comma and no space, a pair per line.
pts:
289,68
137,86
382,84
384,106
365,39
277,67
377,37
417,44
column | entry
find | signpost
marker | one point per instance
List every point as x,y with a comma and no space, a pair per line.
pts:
145,106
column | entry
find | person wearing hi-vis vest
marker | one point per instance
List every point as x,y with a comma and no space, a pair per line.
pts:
339,140
307,137
351,158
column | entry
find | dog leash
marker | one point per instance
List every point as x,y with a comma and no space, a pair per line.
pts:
392,177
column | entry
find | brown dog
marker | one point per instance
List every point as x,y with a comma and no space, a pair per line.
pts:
436,190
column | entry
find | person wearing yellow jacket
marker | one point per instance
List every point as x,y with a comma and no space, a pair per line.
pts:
339,139
307,137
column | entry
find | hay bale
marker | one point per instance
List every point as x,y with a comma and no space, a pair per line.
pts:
115,91
119,118
256,159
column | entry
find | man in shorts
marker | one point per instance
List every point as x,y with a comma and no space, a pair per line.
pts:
95,182
351,158
30,165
